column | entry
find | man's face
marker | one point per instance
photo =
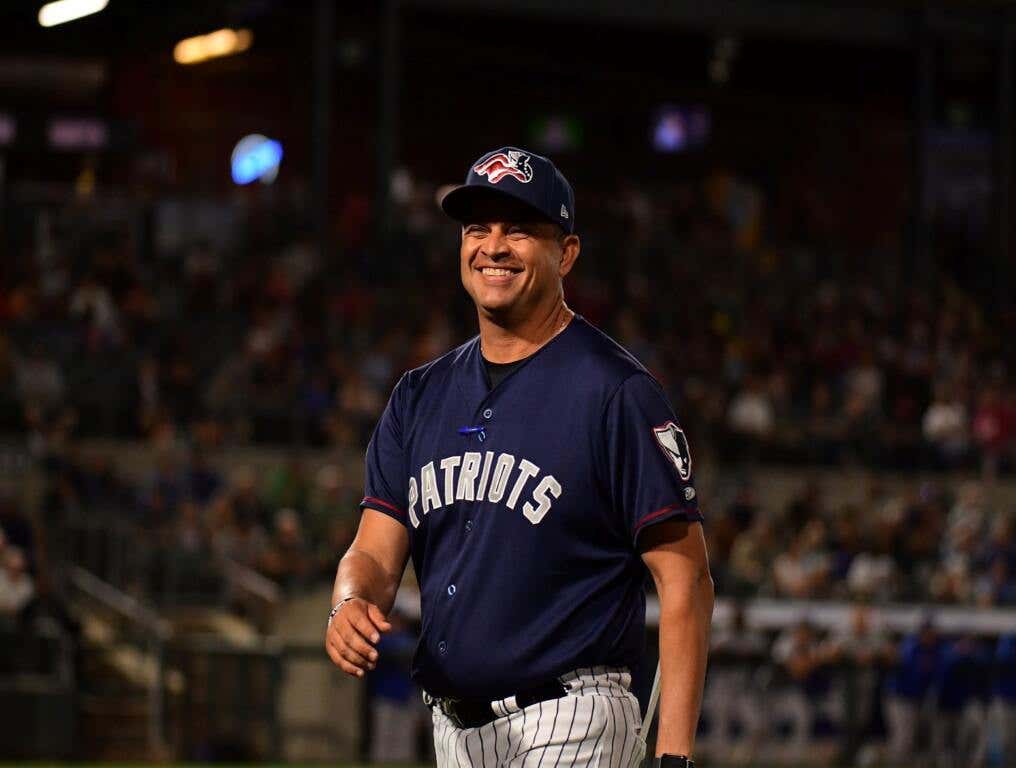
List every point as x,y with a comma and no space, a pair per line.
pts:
511,261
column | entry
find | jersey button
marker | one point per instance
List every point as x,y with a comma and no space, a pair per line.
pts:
442,647
451,590
469,525
487,413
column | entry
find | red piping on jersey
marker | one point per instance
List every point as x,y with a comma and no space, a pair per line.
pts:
383,503
656,514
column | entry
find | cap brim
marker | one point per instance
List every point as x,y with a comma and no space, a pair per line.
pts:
461,202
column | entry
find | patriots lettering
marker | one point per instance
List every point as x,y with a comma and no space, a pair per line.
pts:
462,487
547,487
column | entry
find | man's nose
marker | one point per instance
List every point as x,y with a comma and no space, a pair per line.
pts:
495,245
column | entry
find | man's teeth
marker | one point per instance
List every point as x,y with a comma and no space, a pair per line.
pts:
496,271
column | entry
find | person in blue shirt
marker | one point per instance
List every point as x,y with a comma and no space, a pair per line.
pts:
1005,694
918,658
395,705
961,692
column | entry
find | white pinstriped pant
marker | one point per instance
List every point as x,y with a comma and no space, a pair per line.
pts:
596,723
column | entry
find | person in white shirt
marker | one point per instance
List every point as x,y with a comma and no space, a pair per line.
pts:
16,586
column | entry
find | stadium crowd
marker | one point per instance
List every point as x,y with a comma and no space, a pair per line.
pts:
928,544
770,349
924,697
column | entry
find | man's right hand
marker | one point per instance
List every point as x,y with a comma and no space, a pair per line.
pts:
353,633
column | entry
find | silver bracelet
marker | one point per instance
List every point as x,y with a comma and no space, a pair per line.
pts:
337,606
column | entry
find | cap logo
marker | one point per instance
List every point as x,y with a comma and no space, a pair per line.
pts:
564,212
499,165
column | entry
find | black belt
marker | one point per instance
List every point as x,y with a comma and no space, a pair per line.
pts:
472,713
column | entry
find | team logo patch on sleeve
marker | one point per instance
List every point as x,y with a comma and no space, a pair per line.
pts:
675,445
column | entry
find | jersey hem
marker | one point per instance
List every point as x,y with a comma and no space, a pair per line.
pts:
383,506
686,513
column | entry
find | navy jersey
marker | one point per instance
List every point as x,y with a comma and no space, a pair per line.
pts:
524,504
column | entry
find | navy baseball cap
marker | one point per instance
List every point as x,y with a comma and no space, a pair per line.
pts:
519,174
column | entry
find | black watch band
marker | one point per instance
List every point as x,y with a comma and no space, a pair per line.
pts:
673,761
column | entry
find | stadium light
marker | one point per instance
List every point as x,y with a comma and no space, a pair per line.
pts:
222,42
62,11
255,157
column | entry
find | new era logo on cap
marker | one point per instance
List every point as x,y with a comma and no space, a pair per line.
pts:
519,174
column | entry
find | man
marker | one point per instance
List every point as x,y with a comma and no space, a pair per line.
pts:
1005,695
733,696
910,688
962,689
533,473
806,661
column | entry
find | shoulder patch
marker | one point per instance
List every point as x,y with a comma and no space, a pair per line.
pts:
674,445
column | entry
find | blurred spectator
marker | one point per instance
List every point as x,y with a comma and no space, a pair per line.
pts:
806,661
961,692
16,585
17,529
996,584
287,558
946,428
909,687
188,534
806,506
751,411
994,428
1005,696
803,570
865,383
188,573
92,304
395,706
865,649
332,497
236,534
243,497
39,379
734,693
286,485
751,556
203,480
872,573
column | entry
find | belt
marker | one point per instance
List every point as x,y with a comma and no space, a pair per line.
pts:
472,713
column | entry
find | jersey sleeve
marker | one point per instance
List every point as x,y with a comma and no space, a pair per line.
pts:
385,466
649,462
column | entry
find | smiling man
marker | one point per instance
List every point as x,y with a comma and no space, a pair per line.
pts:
534,474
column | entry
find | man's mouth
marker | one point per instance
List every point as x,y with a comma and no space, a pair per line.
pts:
498,271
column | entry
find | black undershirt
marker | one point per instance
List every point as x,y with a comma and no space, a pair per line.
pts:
497,372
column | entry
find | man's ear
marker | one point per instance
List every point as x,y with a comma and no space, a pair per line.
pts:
570,247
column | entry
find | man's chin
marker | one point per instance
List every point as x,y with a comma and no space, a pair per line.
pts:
497,302
500,311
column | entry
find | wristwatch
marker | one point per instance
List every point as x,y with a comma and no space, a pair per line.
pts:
673,761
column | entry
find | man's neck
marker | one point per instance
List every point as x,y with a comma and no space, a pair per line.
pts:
508,342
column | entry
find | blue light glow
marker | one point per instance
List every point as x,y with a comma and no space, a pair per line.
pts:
256,157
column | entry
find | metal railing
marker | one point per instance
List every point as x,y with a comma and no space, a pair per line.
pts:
122,553
142,627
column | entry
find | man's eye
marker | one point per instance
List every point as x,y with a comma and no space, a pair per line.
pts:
517,232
